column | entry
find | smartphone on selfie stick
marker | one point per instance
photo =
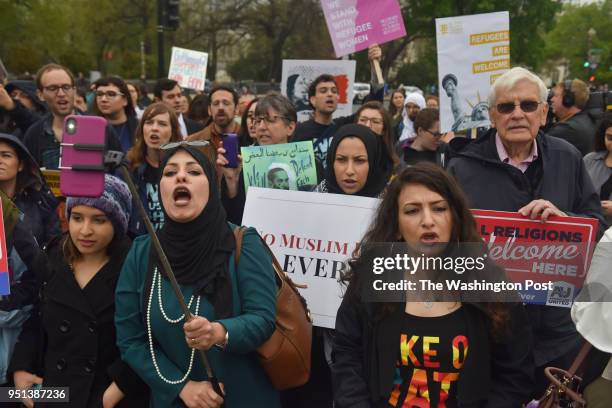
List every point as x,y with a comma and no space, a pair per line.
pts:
82,166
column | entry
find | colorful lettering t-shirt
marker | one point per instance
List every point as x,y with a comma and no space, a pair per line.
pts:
432,351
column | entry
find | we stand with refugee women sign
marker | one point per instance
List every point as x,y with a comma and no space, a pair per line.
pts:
472,52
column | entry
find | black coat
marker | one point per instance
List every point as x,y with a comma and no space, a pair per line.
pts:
70,339
192,126
33,196
560,177
498,373
579,130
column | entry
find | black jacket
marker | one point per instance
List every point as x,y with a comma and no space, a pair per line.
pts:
33,196
559,176
70,339
579,130
497,373
44,147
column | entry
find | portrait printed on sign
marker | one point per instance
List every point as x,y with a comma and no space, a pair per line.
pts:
287,166
299,74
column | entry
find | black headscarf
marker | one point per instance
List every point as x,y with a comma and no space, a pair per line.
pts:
381,165
199,250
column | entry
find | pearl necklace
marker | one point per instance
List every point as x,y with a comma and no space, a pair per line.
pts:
157,277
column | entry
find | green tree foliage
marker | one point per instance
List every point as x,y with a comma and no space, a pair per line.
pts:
570,39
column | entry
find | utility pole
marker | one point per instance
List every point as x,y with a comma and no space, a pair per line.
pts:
160,39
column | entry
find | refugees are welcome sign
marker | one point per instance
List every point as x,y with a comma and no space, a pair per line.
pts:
356,24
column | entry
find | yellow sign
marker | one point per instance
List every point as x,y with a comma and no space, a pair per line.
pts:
491,37
500,50
52,177
487,66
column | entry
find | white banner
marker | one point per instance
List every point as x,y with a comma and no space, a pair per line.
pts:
298,74
188,68
472,52
312,235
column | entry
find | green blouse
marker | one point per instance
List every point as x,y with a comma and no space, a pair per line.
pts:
237,367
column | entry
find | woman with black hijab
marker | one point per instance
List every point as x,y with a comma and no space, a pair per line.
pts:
357,163
233,308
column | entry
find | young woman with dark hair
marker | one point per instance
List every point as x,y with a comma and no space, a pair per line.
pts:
247,125
599,165
373,115
427,353
158,126
396,106
69,340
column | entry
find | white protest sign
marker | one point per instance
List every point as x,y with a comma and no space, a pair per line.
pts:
312,235
298,74
188,68
473,51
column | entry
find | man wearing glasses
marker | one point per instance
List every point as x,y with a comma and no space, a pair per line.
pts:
55,85
114,103
515,167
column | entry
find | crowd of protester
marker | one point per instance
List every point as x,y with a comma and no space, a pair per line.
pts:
91,307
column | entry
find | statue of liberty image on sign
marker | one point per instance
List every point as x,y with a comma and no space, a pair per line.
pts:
479,115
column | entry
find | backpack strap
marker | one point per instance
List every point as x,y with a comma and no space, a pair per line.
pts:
238,234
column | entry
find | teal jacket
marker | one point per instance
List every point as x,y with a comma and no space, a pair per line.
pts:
237,367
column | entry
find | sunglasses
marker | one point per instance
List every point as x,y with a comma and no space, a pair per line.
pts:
109,94
193,143
526,106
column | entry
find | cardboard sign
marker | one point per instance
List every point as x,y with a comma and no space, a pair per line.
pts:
298,74
188,68
52,177
5,279
472,52
311,235
354,25
287,166
558,251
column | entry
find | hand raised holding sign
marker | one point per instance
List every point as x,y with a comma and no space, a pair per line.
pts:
542,209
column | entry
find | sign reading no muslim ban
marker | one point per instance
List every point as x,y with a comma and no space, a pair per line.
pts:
188,68
298,74
5,278
356,24
557,251
473,51
312,235
287,166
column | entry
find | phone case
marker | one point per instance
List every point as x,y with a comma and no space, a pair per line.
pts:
230,144
83,149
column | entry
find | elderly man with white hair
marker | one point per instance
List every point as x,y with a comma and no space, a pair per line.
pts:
515,167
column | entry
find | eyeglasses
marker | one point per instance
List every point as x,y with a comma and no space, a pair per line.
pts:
436,134
269,120
363,120
526,106
109,94
192,143
55,88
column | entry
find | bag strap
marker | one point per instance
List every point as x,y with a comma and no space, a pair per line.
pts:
579,361
238,235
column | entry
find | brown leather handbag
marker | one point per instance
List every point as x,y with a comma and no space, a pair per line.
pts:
564,389
285,356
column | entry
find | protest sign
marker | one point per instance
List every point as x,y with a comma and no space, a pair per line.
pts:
188,68
472,52
287,166
312,235
558,251
354,25
52,177
5,279
298,74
